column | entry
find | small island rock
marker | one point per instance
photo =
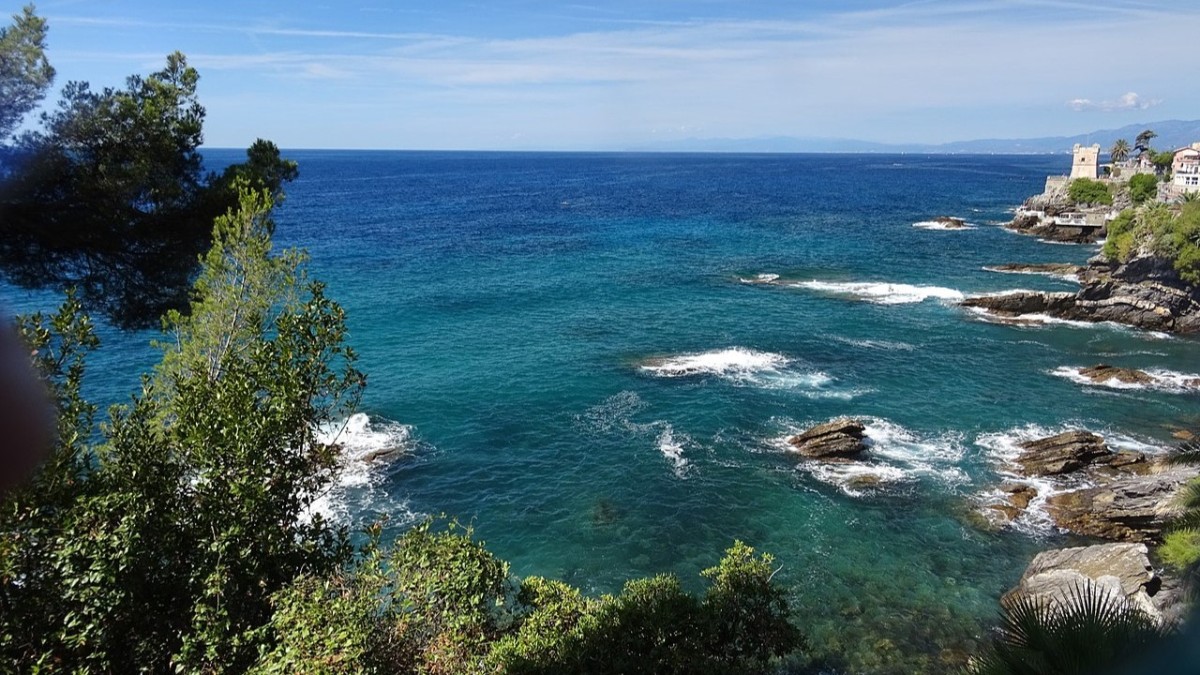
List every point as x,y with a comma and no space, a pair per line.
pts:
839,439
1061,453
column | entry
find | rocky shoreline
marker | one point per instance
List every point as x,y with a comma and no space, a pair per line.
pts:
1146,293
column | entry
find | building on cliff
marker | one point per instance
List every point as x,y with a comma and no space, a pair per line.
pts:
1085,162
1185,170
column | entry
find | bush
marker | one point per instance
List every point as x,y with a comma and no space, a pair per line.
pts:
1088,191
1142,187
1119,243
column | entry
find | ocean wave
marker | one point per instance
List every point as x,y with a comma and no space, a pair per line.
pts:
884,345
747,367
760,279
1074,278
894,455
672,448
941,226
882,293
1002,449
1162,380
368,447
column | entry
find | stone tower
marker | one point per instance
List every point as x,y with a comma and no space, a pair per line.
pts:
1085,161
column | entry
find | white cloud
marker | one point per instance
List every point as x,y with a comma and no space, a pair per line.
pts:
1127,101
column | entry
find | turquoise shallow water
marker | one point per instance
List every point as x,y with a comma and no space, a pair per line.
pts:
505,307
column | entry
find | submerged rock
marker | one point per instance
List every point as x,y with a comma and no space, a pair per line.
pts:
1061,454
1122,570
839,439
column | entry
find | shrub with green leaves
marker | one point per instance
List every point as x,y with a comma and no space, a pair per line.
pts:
1142,187
1159,230
1091,631
1088,191
170,535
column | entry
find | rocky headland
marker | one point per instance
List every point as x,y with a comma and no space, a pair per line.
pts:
1053,216
1145,292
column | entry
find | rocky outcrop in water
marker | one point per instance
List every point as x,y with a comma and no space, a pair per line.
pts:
1092,490
1061,454
1105,373
840,439
1146,292
1120,570
950,222
1132,508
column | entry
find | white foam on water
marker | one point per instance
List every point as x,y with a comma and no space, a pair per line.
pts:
672,448
1003,447
884,345
760,279
894,455
1039,319
1162,380
1074,278
944,227
747,367
368,446
882,293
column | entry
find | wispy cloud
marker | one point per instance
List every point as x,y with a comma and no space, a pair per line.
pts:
927,70
1127,101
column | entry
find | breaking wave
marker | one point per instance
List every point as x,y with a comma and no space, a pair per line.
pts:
894,455
747,367
882,293
368,447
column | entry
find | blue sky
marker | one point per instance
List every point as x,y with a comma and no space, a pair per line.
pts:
526,74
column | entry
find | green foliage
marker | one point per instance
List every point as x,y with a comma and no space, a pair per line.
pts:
1159,230
1143,186
173,535
1090,633
110,197
1181,549
1119,243
1119,151
1142,142
1088,191
25,74
653,626
1162,160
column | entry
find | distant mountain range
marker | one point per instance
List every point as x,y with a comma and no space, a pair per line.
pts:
1171,134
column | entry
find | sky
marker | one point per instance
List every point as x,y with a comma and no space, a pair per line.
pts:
624,74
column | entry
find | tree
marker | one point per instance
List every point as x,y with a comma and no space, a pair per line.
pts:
110,196
1143,186
168,540
1119,151
1142,142
1087,191
25,74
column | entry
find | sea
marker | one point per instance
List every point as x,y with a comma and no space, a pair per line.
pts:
596,359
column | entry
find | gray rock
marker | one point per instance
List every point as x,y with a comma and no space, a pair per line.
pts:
1121,570
1103,373
1062,453
1133,508
839,439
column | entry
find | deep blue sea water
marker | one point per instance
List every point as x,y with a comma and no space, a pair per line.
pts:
586,375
